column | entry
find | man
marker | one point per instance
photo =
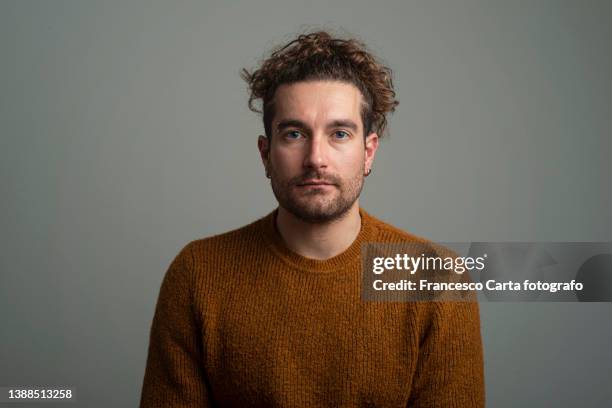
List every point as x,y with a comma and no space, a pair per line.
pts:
270,314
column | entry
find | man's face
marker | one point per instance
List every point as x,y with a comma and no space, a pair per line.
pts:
317,156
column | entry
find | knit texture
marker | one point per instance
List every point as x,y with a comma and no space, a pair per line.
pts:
242,321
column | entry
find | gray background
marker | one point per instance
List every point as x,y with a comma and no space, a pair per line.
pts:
125,134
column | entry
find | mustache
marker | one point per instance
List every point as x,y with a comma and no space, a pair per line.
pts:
327,178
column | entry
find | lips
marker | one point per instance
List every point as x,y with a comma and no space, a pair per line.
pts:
315,183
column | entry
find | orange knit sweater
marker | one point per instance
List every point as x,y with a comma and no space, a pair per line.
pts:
242,321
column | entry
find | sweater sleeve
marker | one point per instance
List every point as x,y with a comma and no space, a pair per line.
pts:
450,369
174,374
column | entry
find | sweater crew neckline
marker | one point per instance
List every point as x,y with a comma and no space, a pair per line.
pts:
342,261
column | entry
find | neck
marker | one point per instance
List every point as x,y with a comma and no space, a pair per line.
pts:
319,240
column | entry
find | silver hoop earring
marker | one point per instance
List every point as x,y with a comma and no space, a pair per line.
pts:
368,172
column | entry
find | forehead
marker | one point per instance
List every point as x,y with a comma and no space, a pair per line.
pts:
317,101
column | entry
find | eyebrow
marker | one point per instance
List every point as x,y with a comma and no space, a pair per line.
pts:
284,124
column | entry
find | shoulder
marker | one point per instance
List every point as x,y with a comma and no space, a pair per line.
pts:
229,241
390,234
386,232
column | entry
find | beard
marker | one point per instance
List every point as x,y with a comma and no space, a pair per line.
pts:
317,205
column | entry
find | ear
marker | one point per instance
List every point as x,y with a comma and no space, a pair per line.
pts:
371,146
263,144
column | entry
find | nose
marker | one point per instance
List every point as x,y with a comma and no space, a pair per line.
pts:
316,153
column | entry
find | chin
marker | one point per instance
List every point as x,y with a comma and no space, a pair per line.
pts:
319,212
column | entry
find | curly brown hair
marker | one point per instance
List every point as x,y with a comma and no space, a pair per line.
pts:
319,56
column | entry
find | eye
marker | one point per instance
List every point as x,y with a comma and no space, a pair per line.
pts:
341,134
293,134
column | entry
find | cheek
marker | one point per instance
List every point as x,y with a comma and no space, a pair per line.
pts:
351,163
285,160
